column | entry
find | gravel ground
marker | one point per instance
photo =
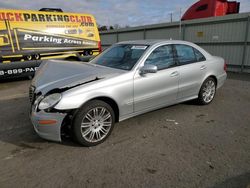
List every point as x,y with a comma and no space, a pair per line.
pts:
184,145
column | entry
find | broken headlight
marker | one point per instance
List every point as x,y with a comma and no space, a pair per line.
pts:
49,101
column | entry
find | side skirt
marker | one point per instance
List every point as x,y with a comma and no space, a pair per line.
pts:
122,118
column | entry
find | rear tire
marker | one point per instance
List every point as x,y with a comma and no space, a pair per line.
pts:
207,91
37,56
93,123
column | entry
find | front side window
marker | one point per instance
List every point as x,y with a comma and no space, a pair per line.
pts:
121,56
185,54
162,57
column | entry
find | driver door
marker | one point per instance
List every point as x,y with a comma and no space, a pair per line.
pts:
158,89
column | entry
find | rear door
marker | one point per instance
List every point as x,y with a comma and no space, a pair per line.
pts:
192,69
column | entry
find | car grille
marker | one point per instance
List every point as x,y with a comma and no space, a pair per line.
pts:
32,94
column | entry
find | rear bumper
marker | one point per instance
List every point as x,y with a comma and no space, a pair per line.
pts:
221,80
50,131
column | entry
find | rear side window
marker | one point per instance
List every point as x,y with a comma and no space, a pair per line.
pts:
199,55
185,54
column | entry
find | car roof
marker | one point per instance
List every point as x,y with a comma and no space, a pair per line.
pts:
152,42
143,42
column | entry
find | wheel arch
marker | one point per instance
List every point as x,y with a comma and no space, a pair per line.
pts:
209,76
109,101
214,77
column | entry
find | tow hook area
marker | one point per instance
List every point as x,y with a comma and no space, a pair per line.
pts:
66,128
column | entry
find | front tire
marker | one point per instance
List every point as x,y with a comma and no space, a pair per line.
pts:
93,123
207,91
28,57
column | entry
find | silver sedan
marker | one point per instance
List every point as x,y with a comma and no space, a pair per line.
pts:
128,79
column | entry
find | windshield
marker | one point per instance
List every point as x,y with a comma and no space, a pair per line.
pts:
121,56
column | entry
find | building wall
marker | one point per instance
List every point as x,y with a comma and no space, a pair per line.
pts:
225,36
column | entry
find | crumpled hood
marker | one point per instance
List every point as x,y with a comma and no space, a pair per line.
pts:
56,74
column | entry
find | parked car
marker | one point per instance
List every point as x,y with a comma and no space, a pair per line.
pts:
128,79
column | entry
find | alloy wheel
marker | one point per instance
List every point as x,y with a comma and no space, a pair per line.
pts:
96,124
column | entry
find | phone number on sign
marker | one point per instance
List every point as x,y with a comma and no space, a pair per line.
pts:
17,71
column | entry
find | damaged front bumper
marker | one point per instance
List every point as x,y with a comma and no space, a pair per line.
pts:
47,125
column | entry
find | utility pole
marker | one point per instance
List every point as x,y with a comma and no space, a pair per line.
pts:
171,17
180,24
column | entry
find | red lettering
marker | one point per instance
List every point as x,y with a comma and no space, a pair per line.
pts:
83,18
89,19
77,19
9,16
18,17
72,19
2,16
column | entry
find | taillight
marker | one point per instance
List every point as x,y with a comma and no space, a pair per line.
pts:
225,66
99,46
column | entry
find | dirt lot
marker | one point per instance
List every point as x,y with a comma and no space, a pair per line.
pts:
180,146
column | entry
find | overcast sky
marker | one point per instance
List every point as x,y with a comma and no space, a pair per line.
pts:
110,12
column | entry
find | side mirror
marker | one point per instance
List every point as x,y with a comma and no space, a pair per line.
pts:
148,68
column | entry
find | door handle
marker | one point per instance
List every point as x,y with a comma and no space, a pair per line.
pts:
175,73
203,67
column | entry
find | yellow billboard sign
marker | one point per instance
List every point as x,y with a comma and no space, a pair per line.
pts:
33,35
